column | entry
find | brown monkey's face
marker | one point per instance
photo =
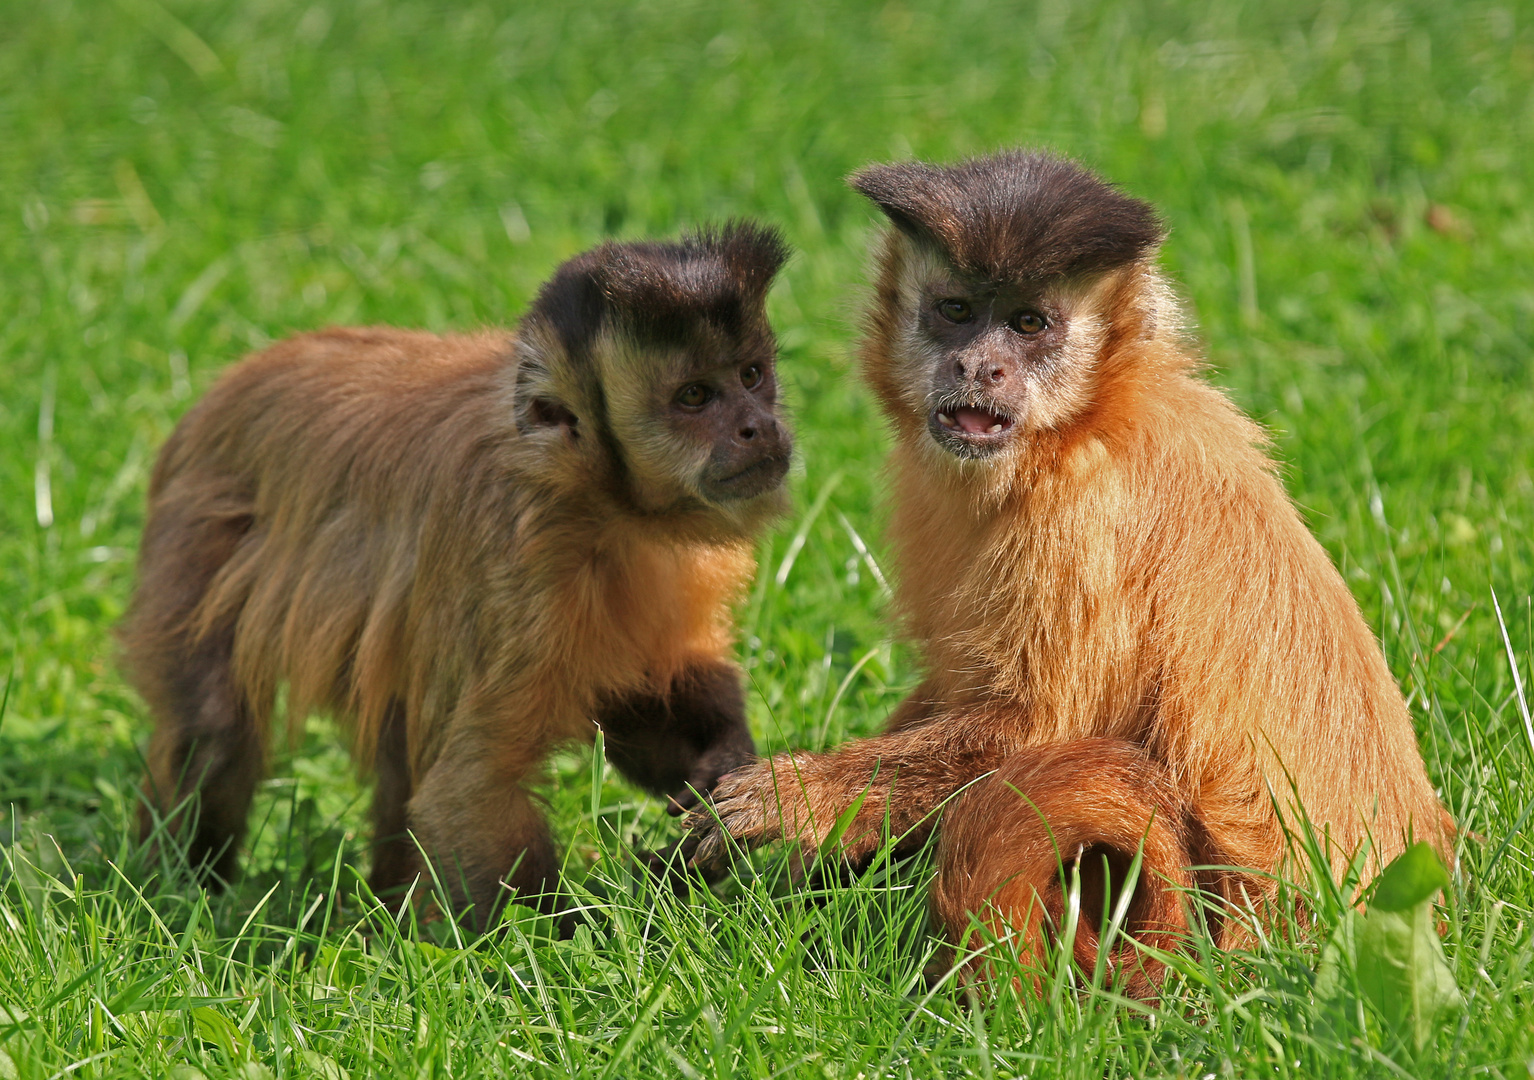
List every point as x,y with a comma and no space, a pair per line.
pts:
646,370
732,410
698,421
987,363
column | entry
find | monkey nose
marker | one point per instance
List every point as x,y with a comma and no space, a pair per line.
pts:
747,433
998,374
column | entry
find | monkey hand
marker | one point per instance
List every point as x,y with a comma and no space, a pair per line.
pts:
777,799
705,777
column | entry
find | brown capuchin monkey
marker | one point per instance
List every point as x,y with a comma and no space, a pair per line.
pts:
471,549
1130,636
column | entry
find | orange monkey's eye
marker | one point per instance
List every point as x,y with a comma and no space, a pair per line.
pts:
1028,322
955,310
751,376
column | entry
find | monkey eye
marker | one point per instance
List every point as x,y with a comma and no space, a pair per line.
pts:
751,376
955,310
1028,322
694,396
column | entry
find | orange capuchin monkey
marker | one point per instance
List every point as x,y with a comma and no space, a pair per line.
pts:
1130,636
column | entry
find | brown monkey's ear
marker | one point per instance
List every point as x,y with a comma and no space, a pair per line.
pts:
536,404
550,413
1015,216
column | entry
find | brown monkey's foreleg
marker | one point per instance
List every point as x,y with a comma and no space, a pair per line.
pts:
1088,806
680,745
484,835
902,777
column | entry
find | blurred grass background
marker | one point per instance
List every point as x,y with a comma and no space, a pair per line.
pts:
1348,188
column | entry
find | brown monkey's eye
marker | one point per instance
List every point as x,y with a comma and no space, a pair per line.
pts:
751,376
1028,322
955,310
694,396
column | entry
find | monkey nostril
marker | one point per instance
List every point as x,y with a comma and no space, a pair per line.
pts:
958,368
748,433
998,374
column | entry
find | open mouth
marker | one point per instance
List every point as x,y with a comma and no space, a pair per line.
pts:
970,431
972,421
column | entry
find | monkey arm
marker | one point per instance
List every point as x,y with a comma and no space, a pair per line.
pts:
679,744
902,777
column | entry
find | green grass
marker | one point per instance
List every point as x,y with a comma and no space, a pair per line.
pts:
182,183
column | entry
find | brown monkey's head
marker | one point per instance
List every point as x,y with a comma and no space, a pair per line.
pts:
651,368
999,290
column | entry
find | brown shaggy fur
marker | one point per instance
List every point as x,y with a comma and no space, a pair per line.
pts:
1124,620
470,548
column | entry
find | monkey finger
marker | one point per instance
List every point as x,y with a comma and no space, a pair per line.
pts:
711,870
699,820
683,801
706,851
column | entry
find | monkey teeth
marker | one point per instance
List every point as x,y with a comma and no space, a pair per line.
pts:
969,420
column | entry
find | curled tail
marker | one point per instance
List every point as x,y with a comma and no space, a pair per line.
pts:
1009,843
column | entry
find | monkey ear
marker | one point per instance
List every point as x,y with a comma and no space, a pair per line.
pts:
547,412
536,405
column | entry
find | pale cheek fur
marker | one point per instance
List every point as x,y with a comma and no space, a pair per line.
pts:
917,356
1062,387
663,465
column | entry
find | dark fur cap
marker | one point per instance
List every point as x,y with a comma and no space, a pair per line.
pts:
1015,216
659,290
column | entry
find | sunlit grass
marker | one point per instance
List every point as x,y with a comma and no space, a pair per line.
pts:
1348,190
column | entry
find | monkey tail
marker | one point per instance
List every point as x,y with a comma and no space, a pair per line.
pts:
1080,808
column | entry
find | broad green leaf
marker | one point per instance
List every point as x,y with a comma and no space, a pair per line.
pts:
1412,877
1335,972
323,1067
343,967
1390,955
1402,971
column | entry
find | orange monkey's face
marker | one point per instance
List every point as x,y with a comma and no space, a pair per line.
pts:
989,363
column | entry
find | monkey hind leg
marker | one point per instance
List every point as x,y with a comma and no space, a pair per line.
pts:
1074,811
205,758
207,751
396,861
